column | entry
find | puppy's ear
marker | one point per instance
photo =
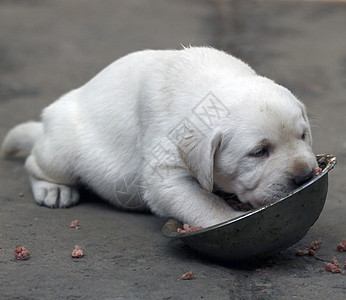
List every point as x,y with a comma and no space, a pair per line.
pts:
198,155
305,116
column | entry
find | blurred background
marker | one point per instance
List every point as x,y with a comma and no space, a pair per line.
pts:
50,47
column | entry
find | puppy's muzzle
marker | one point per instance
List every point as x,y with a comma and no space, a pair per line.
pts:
302,178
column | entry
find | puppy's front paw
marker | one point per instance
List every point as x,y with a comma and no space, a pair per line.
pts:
54,195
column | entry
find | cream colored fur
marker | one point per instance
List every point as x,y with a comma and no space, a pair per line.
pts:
162,130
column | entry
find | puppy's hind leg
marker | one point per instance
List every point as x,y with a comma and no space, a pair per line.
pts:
50,191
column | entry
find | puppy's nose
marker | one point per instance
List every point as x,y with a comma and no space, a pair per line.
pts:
302,178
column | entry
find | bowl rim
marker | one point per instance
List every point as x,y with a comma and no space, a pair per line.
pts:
331,162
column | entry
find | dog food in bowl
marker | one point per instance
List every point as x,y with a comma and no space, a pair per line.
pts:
187,228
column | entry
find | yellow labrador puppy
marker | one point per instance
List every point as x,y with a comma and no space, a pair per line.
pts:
162,130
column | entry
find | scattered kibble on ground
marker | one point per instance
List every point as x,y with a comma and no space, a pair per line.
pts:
77,252
315,245
74,224
341,246
21,253
188,276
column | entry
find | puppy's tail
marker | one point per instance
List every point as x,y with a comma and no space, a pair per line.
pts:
20,140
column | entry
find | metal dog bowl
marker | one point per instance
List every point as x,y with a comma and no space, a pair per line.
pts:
266,230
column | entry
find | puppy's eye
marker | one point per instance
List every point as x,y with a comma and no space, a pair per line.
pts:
303,136
263,151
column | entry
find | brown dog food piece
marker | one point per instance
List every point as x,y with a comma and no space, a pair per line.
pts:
335,261
317,171
187,228
77,252
74,224
21,253
315,245
333,269
301,252
311,252
187,276
341,246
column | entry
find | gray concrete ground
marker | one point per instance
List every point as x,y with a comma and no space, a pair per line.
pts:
49,47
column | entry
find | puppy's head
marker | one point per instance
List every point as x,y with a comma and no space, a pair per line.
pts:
262,150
